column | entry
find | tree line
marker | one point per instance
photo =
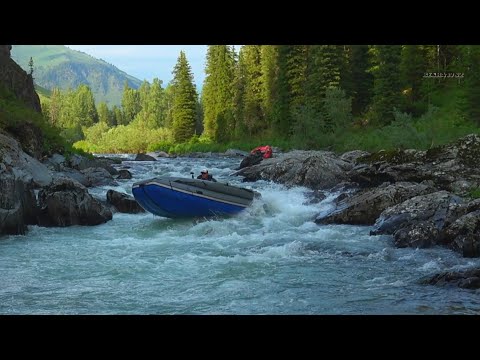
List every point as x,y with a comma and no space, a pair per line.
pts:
310,95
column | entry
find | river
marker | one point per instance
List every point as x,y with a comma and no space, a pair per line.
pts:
270,259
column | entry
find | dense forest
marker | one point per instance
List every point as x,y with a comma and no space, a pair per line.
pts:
336,97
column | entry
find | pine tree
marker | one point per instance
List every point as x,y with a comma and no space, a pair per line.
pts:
412,67
472,82
386,83
324,63
30,66
269,65
253,117
296,66
184,110
289,87
218,93
362,80
239,96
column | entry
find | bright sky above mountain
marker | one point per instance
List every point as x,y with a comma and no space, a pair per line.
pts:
150,61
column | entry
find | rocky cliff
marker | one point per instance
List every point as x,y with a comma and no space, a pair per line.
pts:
15,79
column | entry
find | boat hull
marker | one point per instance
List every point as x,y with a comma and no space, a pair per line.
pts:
180,198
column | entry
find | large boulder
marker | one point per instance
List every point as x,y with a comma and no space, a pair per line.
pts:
464,234
366,206
318,170
250,160
17,203
144,157
431,207
123,202
79,162
98,177
66,202
25,167
420,219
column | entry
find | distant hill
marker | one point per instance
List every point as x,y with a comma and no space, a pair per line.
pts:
62,67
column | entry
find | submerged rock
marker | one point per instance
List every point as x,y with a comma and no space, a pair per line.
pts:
469,279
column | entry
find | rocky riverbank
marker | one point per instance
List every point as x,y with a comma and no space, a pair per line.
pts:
421,198
54,191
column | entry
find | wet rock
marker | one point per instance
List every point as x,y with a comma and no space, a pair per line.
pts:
318,170
353,156
66,202
98,177
251,159
469,279
17,203
144,157
419,235
365,207
314,197
123,202
463,235
124,174
236,152
432,207
25,167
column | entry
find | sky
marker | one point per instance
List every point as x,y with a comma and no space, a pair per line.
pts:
150,61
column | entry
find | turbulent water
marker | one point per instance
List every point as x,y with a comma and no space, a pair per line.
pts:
270,259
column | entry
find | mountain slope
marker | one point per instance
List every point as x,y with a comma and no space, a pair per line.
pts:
59,66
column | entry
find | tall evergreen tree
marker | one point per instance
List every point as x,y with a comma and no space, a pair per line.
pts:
386,83
324,63
362,80
239,96
253,117
472,82
296,65
218,93
289,86
184,101
413,67
269,65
